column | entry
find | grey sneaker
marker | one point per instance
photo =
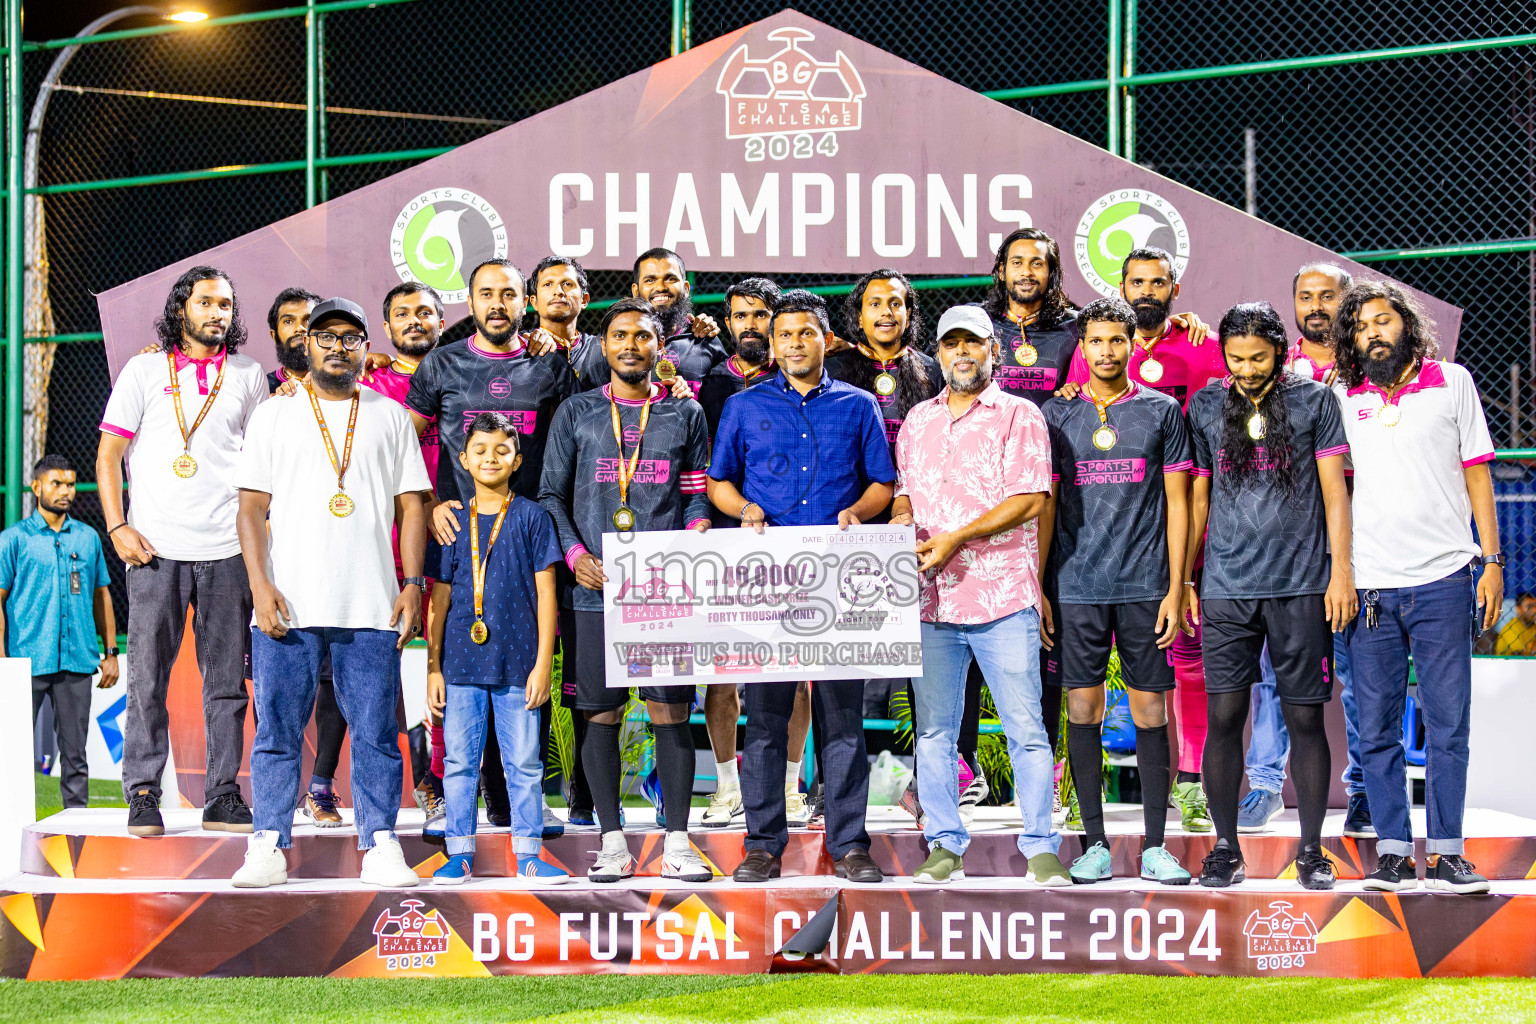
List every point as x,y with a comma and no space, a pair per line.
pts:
1258,809
940,867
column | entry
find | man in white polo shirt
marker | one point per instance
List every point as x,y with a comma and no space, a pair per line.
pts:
1420,450
178,415
332,471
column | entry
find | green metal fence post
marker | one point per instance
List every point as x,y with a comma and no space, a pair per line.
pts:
322,147
1128,142
14,262
1112,142
311,85
682,25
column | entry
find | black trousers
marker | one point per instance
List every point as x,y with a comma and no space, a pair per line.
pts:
71,696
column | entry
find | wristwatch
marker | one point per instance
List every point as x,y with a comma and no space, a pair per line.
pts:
111,652
420,581
1497,558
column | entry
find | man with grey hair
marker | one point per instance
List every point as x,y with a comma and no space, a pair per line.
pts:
978,554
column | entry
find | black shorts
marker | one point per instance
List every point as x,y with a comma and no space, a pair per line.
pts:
589,669
1084,633
1300,646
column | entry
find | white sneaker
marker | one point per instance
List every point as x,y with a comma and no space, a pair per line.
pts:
614,862
264,863
797,812
681,861
385,865
975,792
724,807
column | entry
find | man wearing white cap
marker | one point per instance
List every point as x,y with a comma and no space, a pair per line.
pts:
974,474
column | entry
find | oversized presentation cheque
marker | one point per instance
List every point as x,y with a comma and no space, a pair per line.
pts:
730,605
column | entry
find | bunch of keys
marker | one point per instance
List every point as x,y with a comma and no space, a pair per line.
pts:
1372,597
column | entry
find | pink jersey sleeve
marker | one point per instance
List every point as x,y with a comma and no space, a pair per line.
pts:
1078,372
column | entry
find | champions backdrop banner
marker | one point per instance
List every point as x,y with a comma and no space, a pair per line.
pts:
784,147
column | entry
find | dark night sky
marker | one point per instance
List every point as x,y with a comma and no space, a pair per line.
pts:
55,20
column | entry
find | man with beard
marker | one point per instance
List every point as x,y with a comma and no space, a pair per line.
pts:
1033,321
1420,449
558,292
53,585
323,582
976,549
594,484
749,310
1170,356
691,344
1119,519
1317,290
1269,484
179,417
288,322
803,417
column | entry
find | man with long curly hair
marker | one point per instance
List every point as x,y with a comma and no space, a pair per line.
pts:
1420,450
1269,453
178,416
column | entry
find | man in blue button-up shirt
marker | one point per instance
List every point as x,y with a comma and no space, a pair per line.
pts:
803,449
53,588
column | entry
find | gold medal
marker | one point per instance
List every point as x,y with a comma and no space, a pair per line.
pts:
478,633
341,505
1389,415
1256,429
1256,426
1151,370
885,384
184,465
624,519
1026,354
665,370
1104,438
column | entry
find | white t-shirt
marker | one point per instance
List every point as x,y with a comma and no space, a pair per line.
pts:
332,570
1412,514
189,519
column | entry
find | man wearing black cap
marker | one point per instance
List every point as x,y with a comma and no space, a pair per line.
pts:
333,471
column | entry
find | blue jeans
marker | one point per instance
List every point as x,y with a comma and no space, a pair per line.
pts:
1008,651
1270,746
517,732
366,668
1435,621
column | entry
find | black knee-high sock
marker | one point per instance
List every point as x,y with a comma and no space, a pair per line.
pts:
600,757
970,716
1152,763
1311,767
1050,712
1222,770
674,767
1085,751
581,796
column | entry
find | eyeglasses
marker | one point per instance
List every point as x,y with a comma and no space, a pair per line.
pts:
350,342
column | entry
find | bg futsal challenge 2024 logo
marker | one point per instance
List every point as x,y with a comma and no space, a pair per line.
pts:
1123,220
790,105
443,234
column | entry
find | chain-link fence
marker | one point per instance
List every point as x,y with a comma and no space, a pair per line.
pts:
157,146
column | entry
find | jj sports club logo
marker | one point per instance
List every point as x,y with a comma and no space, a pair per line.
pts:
443,234
1120,221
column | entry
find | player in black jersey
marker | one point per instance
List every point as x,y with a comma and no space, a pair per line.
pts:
288,323
690,342
885,325
557,290
1032,319
1270,503
625,457
748,312
1120,521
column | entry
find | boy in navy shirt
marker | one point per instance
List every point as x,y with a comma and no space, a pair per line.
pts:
491,644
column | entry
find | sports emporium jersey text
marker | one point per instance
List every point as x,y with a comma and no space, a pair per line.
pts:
1111,542
1185,367
1053,355
457,382
580,486
1261,542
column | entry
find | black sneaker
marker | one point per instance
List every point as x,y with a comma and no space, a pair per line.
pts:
1313,870
1450,872
1222,867
1357,823
227,813
1393,874
144,814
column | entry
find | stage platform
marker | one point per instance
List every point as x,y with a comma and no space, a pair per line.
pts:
93,902
94,844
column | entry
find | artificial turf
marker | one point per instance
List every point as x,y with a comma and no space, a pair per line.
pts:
940,999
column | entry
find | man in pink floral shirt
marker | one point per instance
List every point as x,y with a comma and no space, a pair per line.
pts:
974,467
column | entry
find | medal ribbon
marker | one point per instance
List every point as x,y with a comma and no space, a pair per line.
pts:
884,364
325,435
1390,396
477,567
181,420
627,473
1103,406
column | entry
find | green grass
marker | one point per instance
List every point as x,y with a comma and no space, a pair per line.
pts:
104,793
948,999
